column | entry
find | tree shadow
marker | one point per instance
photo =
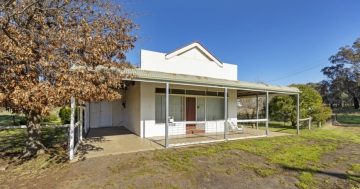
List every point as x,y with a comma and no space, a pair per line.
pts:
87,146
345,176
13,143
97,135
13,120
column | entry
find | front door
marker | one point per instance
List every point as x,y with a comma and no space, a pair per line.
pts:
190,114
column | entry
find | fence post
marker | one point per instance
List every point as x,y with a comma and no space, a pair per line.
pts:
257,111
298,113
71,129
81,120
267,113
225,113
167,116
310,123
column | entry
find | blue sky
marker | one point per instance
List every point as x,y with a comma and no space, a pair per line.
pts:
273,41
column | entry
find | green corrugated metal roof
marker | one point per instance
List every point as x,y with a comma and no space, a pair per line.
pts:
154,76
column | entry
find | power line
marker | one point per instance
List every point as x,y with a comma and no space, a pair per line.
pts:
297,72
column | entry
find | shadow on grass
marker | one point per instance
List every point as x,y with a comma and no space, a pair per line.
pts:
13,142
14,120
344,176
55,139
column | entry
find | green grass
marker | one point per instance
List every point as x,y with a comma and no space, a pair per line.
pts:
9,119
277,126
349,118
346,110
307,181
300,153
356,168
354,172
12,141
281,127
293,151
265,171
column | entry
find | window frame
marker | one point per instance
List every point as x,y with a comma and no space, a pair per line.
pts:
184,96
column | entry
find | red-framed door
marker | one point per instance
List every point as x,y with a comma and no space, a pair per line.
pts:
191,116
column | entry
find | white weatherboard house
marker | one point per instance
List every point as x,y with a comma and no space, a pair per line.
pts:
187,92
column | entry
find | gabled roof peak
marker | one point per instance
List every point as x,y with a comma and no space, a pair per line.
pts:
197,45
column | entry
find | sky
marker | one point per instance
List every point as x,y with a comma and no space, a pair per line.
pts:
278,42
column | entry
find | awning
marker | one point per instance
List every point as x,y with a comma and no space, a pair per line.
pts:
247,88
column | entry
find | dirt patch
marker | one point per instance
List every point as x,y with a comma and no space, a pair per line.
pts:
337,164
231,169
221,165
238,169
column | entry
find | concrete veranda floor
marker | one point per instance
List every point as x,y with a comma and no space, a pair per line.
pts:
119,140
112,141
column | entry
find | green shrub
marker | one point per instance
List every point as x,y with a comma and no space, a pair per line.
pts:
65,115
283,108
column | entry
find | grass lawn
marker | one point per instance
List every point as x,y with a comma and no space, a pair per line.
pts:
276,126
12,142
328,157
349,118
9,119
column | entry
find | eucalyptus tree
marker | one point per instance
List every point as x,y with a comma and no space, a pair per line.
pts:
344,73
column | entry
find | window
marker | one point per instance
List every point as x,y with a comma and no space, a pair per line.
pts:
176,108
207,108
214,109
160,108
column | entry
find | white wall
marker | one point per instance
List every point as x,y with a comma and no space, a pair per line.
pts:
114,113
150,128
191,63
139,114
132,110
117,113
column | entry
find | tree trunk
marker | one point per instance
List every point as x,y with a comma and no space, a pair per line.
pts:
33,141
356,103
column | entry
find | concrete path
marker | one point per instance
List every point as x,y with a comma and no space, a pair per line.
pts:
112,141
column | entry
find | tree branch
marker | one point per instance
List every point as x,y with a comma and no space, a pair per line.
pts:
27,7
9,36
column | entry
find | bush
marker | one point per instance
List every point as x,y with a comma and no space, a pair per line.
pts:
65,115
283,108
322,114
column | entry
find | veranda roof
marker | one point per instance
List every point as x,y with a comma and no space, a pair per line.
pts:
162,77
